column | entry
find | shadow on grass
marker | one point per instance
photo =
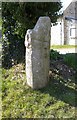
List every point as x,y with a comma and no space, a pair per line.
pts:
63,80
61,92
61,85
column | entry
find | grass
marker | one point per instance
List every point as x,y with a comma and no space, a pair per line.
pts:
70,59
56,100
63,46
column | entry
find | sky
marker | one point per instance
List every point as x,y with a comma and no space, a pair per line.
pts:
65,3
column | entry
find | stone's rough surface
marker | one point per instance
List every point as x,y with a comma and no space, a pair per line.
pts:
37,42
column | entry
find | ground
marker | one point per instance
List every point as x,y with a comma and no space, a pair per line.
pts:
56,100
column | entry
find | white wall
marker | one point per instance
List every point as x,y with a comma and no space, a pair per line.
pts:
57,33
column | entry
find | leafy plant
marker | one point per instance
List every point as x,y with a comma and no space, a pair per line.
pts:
17,17
54,55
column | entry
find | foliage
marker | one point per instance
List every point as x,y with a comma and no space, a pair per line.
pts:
56,100
70,59
54,55
17,18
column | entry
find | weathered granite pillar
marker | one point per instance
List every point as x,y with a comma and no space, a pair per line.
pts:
37,42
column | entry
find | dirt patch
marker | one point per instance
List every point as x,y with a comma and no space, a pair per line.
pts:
60,68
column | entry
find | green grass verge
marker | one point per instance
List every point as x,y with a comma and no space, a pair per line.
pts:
63,46
71,60
56,100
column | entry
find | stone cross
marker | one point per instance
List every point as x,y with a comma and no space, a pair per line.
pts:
37,42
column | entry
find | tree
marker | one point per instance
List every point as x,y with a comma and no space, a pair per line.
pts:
17,18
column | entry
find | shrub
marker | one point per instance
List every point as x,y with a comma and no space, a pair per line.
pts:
54,55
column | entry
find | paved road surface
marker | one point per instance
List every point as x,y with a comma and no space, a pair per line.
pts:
67,50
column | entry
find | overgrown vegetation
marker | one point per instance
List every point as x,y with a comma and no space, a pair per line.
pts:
17,17
56,100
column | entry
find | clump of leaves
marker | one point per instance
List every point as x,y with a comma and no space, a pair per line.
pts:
14,26
54,55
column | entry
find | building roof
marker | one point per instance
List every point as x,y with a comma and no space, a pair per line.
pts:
71,11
